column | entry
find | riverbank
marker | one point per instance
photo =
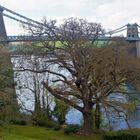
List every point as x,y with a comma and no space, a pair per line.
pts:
17,132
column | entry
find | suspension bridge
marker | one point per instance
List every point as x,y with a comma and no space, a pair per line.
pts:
132,30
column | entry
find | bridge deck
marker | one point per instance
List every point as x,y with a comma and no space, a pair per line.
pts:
44,38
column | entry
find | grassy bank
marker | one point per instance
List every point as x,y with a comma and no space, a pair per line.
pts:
15,132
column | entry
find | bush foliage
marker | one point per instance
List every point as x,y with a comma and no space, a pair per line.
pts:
41,119
133,134
73,128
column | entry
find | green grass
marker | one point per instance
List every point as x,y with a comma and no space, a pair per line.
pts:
15,132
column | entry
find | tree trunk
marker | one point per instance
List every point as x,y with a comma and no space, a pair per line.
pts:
97,117
88,123
37,103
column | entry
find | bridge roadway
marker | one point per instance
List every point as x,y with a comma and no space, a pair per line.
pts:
44,38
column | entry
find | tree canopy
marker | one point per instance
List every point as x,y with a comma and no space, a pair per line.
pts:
85,74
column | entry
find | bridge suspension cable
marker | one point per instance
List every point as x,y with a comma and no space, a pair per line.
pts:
20,18
138,26
19,15
39,25
35,23
117,30
24,22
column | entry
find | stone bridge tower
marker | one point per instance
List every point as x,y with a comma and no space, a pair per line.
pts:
133,35
132,31
3,34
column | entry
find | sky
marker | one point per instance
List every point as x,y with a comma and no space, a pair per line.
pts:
109,13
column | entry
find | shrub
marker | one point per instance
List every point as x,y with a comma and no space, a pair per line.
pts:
19,122
121,135
138,138
41,119
71,129
60,111
2,122
57,127
21,119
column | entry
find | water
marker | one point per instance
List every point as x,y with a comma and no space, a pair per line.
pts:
25,79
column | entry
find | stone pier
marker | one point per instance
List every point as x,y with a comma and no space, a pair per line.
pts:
138,48
3,34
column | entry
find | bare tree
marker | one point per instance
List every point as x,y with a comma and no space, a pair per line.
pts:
29,85
85,73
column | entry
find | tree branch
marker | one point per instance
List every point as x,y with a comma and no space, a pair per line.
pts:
57,94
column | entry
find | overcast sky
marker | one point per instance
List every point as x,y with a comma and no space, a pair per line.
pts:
110,13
